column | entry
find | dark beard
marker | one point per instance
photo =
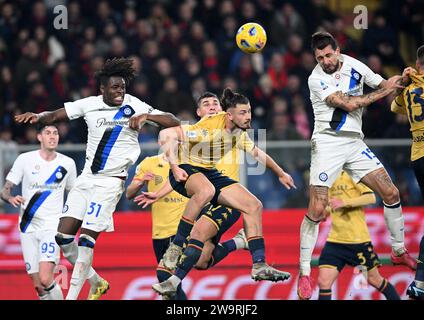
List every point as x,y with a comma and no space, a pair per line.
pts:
335,69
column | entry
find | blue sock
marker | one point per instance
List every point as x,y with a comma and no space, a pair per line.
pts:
388,290
164,274
257,249
324,294
230,245
419,275
219,253
189,258
184,229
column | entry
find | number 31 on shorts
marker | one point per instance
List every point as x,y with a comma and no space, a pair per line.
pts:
94,208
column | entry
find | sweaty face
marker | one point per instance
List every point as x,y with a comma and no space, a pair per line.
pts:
241,116
328,59
208,106
114,91
49,138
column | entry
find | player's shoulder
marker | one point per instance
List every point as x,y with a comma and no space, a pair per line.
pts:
317,74
65,159
29,155
353,62
137,104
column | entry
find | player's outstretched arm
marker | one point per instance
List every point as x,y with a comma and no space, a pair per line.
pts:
166,120
6,195
350,103
147,198
136,185
169,139
263,158
47,117
363,200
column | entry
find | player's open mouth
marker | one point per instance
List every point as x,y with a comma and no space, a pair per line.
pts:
119,99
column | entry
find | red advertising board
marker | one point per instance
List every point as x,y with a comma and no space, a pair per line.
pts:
126,259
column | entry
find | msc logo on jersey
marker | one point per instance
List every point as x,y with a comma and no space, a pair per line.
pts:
323,176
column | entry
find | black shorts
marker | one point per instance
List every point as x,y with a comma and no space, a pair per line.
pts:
218,180
223,219
337,255
418,166
160,246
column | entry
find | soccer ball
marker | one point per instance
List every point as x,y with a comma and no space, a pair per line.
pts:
251,37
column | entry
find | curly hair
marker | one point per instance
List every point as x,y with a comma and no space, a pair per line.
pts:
116,67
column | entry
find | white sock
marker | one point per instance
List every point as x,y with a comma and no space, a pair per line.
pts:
70,251
175,280
54,291
81,270
308,238
396,224
45,296
239,243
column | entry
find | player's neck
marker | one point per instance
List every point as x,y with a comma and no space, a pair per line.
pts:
47,155
229,125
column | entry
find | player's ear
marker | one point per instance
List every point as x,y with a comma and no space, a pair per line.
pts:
198,112
39,137
338,50
102,88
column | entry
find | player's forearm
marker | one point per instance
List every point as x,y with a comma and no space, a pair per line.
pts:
166,189
166,120
6,192
264,159
364,200
50,117
351,103
134,188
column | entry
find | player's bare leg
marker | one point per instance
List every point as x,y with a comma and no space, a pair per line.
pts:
238,197
201,191
46,276
380,182
36,283
381,284
326,278
65,238
308,237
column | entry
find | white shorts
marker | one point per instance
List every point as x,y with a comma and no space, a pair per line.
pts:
39,246
330,154
93,200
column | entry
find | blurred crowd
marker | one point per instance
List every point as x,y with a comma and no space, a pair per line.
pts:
183,48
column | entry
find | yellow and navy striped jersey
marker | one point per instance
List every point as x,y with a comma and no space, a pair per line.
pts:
411,103
207,142
166,212
348,224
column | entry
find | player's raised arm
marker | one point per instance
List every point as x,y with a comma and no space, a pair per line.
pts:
147,198
166,120
262,157
47,117
350,103
136,185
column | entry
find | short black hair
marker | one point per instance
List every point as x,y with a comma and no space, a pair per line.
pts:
321,39
230,99
40,127
207,94
116,67
420,55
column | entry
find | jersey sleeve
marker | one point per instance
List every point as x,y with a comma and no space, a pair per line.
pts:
371,78
245,143
321,88
398,104
141,169
70,182
76,109
16,174
143,107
